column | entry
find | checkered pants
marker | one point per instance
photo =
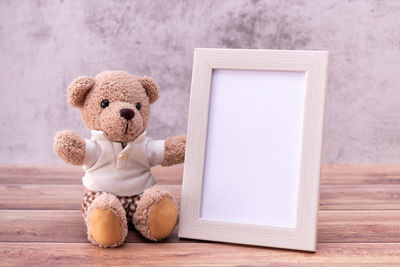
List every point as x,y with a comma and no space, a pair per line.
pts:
128,203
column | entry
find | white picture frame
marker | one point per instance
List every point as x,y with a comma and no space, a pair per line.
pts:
253,153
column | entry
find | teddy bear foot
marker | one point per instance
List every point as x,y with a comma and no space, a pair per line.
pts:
106,221
156,214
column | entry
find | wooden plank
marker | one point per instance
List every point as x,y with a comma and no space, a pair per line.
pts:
333,197
359,197
53,226
65,197
66,174
359,226
360,174
19,196
18,172
68,226
195,254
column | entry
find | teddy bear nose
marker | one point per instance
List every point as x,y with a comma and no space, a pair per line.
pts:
127,113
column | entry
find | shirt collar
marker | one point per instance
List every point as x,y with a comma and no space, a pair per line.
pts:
101,136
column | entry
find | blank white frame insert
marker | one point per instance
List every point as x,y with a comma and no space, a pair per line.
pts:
253,151
237,97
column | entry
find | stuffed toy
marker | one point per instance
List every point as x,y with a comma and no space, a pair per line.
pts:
119,187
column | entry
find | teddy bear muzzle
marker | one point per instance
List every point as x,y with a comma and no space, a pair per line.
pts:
127,113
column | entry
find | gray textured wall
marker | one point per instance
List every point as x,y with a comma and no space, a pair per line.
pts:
45,44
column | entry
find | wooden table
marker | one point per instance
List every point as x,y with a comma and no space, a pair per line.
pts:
41,223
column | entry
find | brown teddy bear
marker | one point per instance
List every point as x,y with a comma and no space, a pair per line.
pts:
115,106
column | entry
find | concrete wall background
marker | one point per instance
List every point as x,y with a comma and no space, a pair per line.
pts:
44,45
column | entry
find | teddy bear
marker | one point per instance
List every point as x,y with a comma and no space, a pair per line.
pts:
119,186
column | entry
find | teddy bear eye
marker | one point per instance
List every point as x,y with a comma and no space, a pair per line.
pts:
105,103
138,106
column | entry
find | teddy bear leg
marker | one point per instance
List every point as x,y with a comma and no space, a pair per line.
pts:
105,220
156,214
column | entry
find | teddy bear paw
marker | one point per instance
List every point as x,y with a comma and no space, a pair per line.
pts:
156,215
106,221
70,147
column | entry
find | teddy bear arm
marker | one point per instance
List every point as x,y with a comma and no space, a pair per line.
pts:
174,150
70,147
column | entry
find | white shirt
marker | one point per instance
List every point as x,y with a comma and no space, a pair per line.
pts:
122,172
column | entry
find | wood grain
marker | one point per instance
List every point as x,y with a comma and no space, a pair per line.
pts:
194,254
360,174
52,226
65,174
359,226
65,197
20,196
68,226
360,197
41,223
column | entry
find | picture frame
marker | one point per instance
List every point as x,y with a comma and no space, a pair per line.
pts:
253,152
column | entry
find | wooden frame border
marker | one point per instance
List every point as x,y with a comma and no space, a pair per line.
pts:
314,64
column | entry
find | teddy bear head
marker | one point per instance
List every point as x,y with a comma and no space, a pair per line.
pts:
115,102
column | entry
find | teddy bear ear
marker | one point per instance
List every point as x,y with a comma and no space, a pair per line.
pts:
78,90
151,87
